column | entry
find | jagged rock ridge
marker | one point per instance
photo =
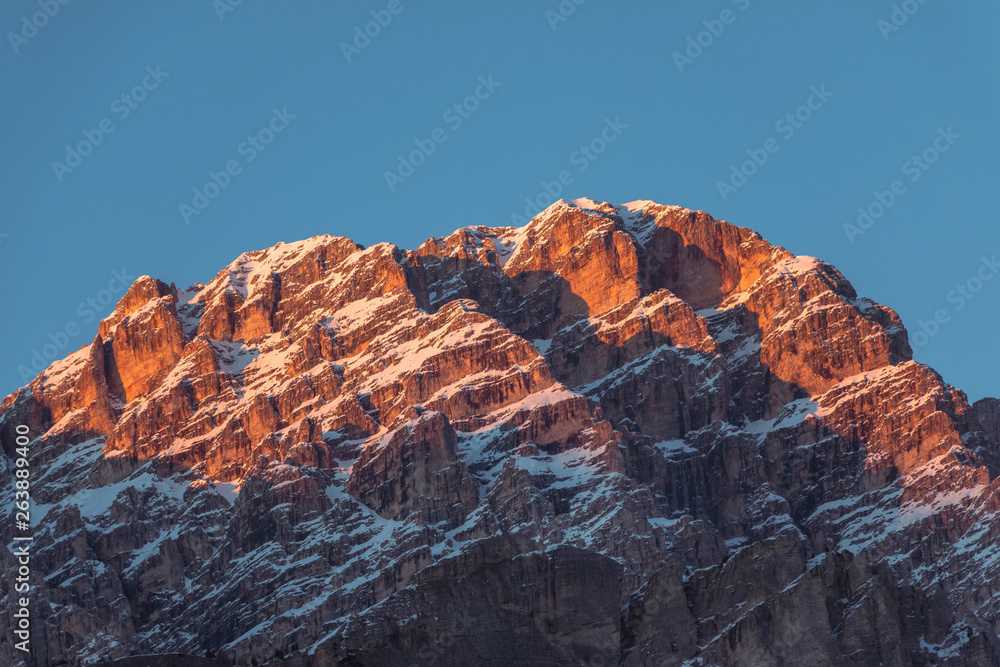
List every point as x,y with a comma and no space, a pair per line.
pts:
621,435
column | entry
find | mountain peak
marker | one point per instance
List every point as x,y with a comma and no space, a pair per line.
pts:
635,404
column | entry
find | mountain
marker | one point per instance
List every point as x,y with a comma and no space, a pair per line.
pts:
620,435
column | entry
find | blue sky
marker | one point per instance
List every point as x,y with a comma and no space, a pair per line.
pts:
324,117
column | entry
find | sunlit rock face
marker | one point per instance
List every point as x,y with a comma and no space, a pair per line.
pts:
620,435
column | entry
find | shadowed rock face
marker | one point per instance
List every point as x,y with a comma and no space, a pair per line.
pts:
621,435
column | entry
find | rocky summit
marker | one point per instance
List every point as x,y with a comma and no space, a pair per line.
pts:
619,435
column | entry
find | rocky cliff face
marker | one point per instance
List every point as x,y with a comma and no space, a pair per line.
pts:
620,435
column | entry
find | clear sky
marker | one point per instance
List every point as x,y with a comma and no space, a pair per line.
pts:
309,113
